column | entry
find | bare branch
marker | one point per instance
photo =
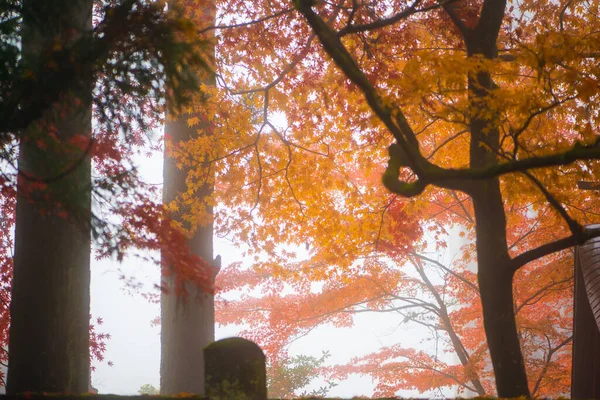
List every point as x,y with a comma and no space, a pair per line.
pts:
470,285
574,226
381,23
541,292
246,24
547,361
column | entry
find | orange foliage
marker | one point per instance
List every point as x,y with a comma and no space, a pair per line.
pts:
393,284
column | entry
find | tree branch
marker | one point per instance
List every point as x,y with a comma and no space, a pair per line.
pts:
578,152
392,117
246,24
574,226
552,247
446,269
449,7
381,23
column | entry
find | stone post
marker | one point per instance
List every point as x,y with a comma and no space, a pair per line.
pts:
235,368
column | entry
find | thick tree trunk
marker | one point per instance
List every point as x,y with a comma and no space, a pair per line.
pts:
49,331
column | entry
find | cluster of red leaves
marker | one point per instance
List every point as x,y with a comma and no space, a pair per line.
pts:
147,226
7,220
98,342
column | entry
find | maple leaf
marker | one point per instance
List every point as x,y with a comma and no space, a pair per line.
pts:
193,121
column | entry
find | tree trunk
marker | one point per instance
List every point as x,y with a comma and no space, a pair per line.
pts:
187,325
49,331
495,285
494,271
459,348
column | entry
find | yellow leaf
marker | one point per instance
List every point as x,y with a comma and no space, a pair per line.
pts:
192,121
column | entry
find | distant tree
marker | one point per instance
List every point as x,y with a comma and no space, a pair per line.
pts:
148,389
288,377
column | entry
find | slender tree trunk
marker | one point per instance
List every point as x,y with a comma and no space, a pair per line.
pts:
187,325
459,348
49,331
495,284
494,273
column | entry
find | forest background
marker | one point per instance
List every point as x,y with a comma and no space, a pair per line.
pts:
375,230
287,118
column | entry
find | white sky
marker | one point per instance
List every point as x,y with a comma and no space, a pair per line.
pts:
134,347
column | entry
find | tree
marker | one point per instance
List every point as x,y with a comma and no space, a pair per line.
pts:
415,288
47,94
58,271
188,324
545,338
490,125
148,389
483,105
289,377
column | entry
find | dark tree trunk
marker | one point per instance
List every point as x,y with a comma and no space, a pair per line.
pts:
187,325
49,332
495,279
494,271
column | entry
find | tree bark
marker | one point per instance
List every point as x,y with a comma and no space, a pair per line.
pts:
49,331
188,324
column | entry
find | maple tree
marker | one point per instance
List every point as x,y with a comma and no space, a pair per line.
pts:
63,69
481,107
490,124
295,119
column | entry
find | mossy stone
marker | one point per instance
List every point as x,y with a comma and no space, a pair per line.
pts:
235,369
